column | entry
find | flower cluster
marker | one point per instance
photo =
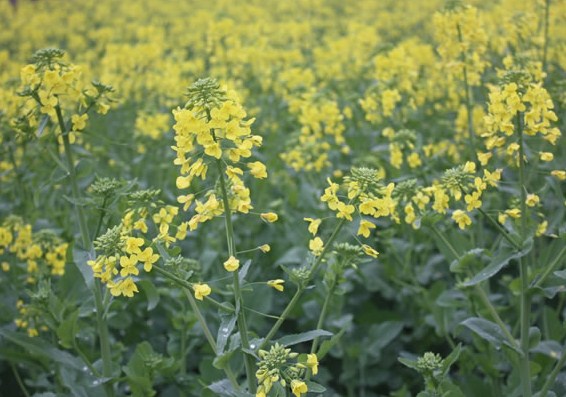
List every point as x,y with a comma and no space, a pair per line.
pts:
275,366
43,251
212,128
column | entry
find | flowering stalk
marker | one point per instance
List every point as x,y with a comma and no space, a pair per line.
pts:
523,269
242,324
87,244
303,285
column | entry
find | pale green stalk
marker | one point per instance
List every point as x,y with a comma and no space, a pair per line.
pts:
302,286
523,270
87,245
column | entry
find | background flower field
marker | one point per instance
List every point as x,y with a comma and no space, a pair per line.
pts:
276,198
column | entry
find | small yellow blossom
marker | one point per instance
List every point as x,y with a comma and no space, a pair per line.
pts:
461,218
232,264
269,216
265,248
201,290
313,225
532,200
258,170
298,387
365,228
370,251
316,245
513,213
312,363
560,174
277,284
546,156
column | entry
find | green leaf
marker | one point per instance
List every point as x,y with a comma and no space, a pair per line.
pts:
505,255
244,271
466,261
150,292
224,388
329,344
409,363
549,348
224,331
451,359
294,339
80,258
67,329
315,387
488,331
381,335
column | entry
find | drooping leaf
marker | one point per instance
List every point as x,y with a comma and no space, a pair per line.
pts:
489,331
290,340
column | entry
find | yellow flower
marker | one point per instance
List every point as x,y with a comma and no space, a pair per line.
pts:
269,216
313,225
312,363
258,170
461,218
560,174
365,228
370,251
298,387
79,121
277,284
264,248
129,265
201,290
232,264
513,213
532,200
316,245
546,156
133,245
148,258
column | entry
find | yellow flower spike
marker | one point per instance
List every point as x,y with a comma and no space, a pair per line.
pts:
232,264
365,228
316,245
370,251
313,225
258,170
265,248
532,200
269,216
312,363
277,284
461,218
201,290
298,387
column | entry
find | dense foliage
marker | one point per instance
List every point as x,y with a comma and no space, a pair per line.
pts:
276,198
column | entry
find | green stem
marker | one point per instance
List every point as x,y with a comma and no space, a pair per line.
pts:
302,287
523,270
87,245
555,371
200,319
550,268
185,284
469,107
19,380
102,213
482,294
242,324
322,316
501,230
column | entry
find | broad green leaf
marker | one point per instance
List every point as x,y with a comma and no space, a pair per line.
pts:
328,344
294,339
150,292
409,363
505,255
381,335
488,331
465,261
224,388
549,348
315,387
224,331
67,329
